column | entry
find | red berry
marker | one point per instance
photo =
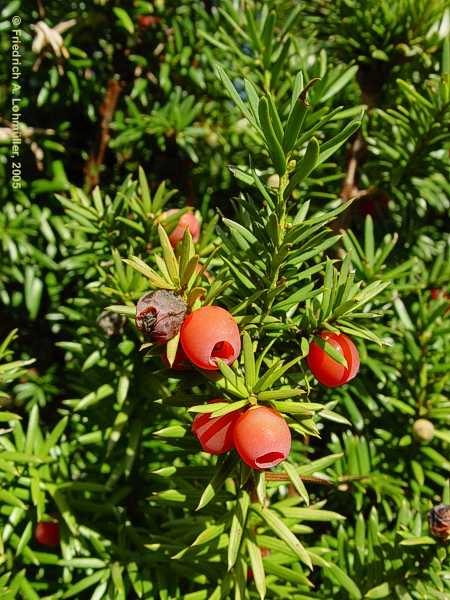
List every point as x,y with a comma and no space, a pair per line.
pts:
435,293
327,370
368,208
187,221
440,294
262,437
375,204
47,533
160,315
181,362
145,21
210,333
215,434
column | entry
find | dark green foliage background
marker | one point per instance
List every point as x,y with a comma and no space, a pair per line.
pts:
96,433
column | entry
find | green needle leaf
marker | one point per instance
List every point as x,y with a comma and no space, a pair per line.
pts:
223,470
254,553
275,150
238,523
169,256
145,193
306,165
283,532
331,351
296,481
249,361
155,279
171,348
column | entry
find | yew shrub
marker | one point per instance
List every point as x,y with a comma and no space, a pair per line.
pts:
225,314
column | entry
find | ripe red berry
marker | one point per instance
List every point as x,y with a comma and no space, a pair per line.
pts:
437,293
160,315
440,294
215,434
181,362
375,204
187,221
145,21
262,437
47,533
210,333
327,370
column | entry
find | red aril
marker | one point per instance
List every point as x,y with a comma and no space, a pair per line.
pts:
262,437
325,368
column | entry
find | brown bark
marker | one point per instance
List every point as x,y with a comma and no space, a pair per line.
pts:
107,109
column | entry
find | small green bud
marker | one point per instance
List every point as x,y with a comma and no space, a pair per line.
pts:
212,139
274,181
423,430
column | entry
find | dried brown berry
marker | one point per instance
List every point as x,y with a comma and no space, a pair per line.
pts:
439,519
160,315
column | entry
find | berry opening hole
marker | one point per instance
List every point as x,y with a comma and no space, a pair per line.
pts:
269,460
146,319
149,311
222,350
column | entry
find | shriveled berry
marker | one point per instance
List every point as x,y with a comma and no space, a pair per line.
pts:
160,315
327,370
215,434
439,520
47,533
262,437
208,334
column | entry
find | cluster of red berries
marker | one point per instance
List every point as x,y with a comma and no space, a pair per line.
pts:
207,334
259,434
